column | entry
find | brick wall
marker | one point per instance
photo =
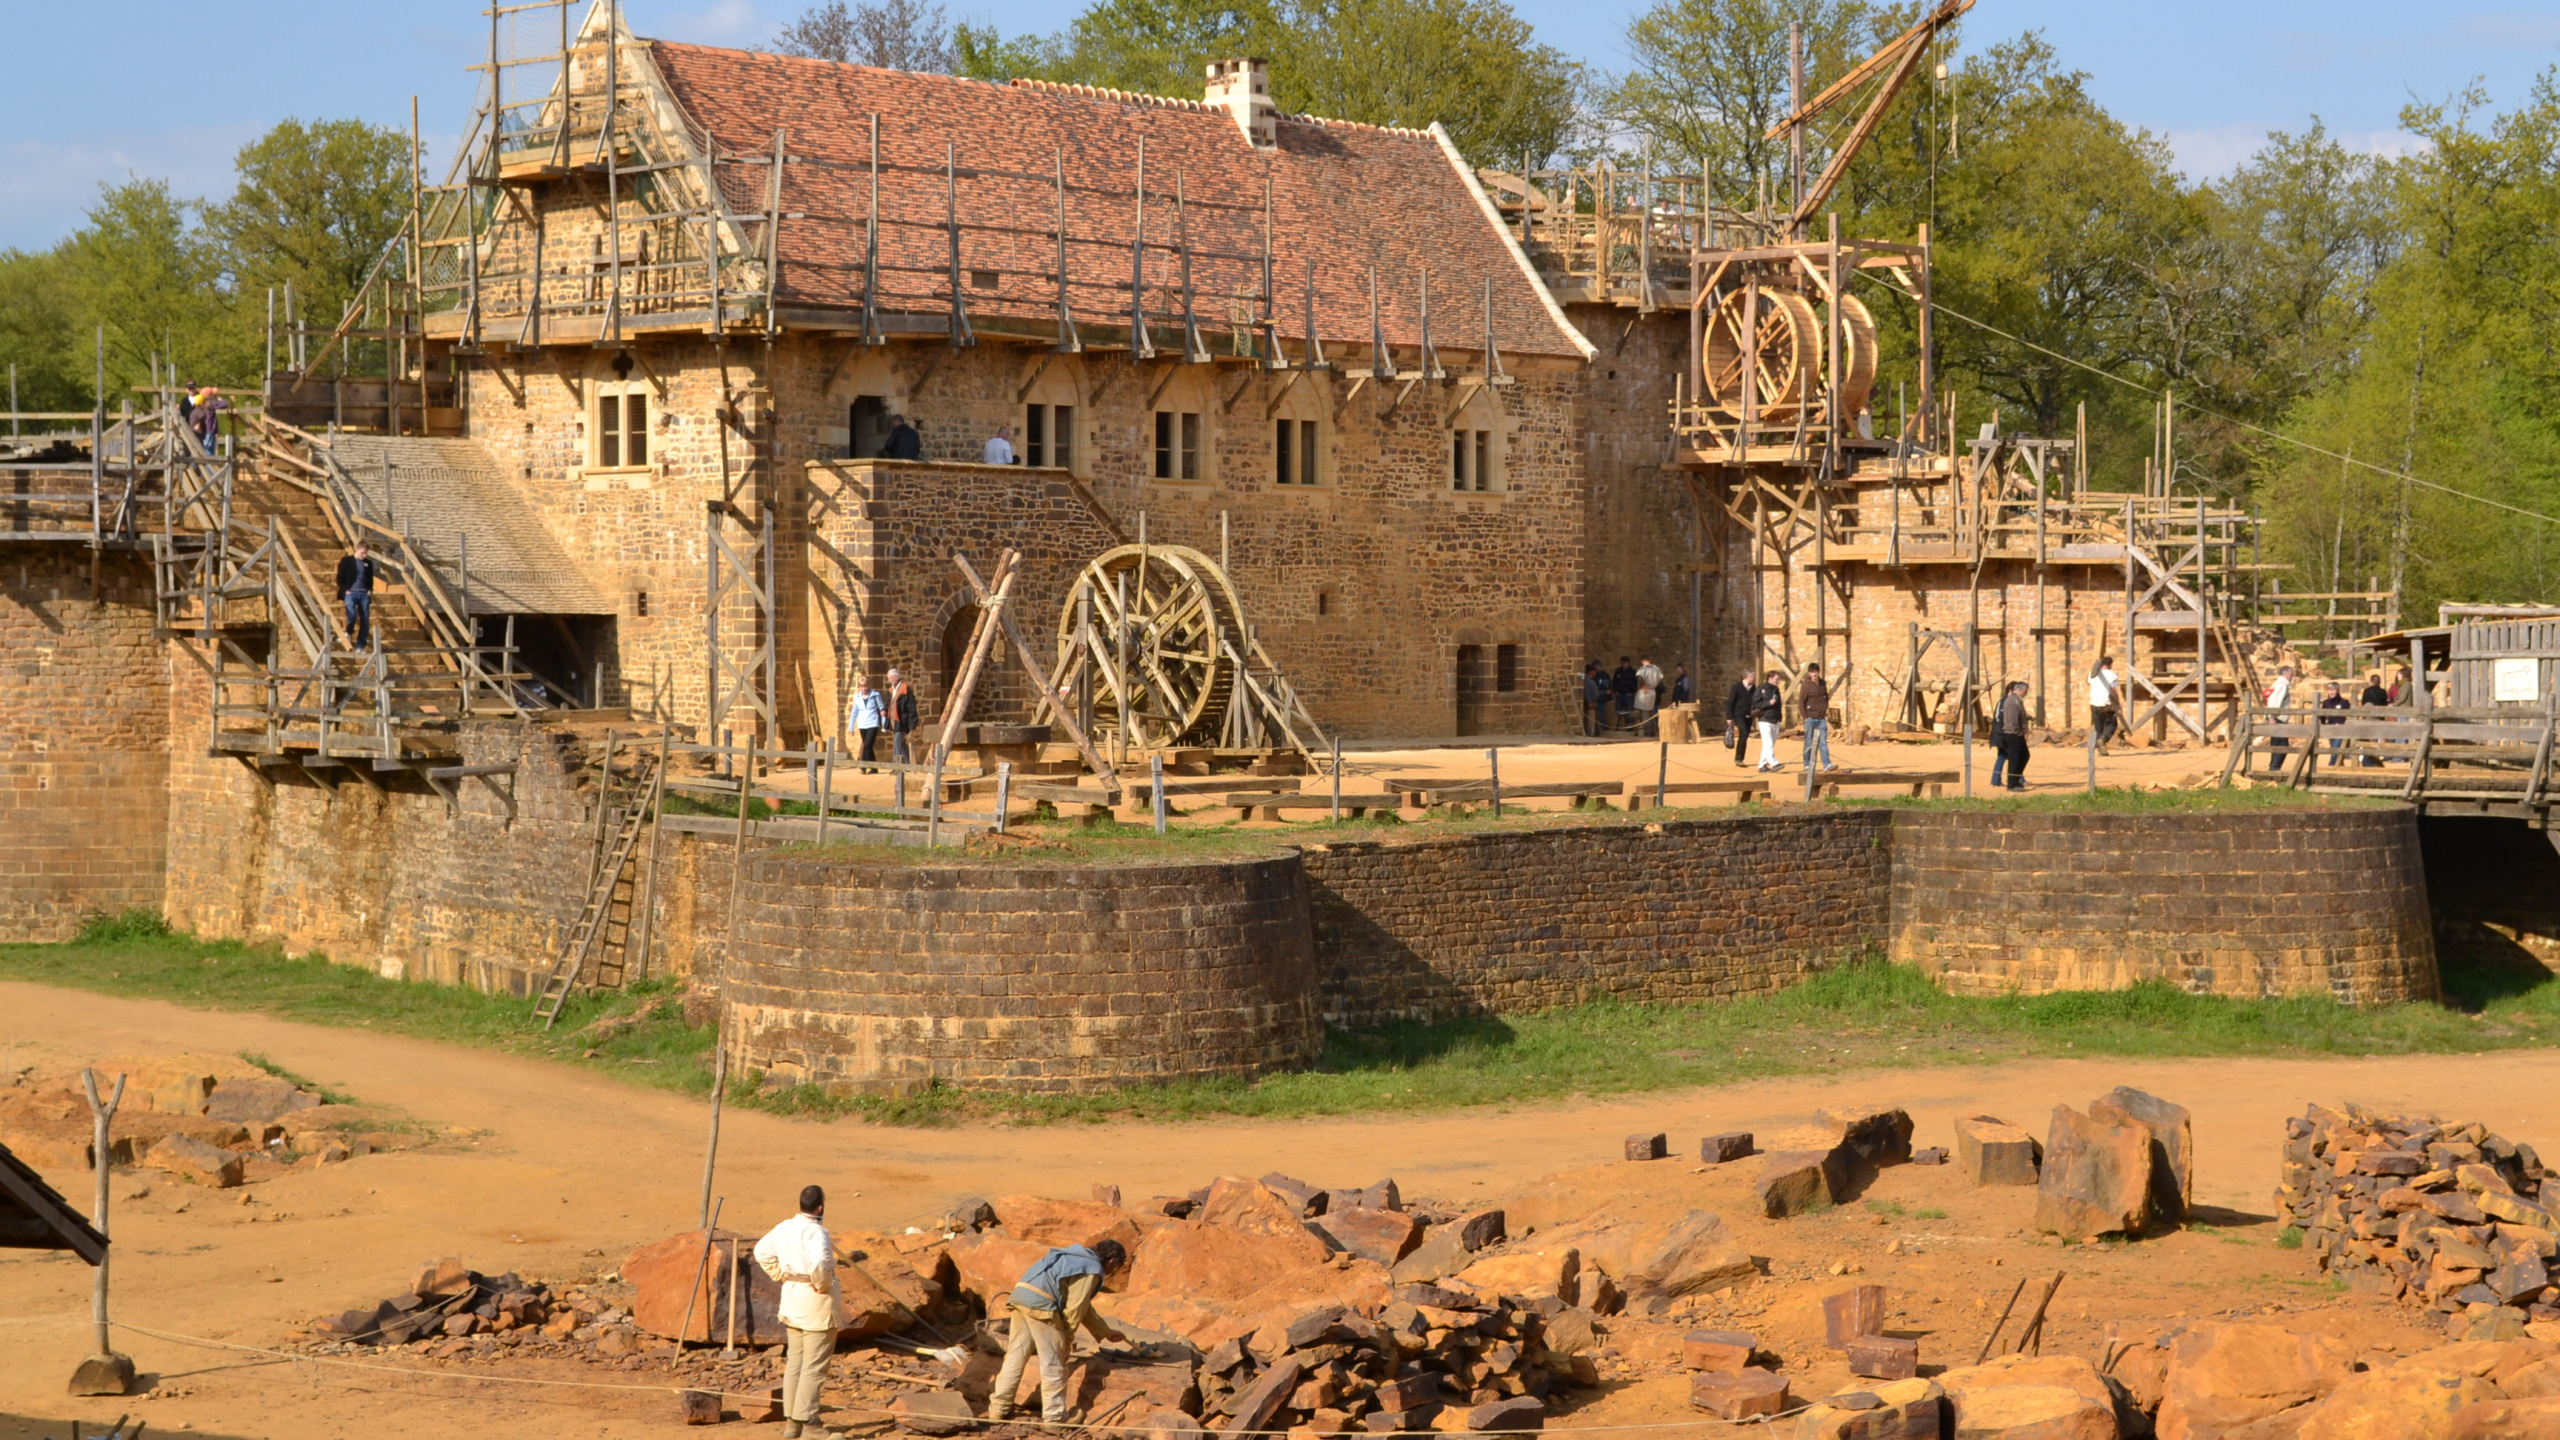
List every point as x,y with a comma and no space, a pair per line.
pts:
84,739
871,975
2301,902
1510,923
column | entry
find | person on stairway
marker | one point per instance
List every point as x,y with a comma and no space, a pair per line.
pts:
355,588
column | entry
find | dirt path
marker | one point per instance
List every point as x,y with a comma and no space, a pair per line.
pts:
562,1172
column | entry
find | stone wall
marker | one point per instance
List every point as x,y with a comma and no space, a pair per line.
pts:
84,739
1515,922
2279,902
376,873
875,974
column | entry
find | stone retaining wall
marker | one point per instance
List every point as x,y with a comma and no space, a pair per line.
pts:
2258,903
880,975
1510,923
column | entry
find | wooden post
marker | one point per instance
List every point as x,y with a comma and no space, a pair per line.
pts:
101,1112
1155,772
738,862
1493,766
1004,793
933,803
730,1350
711,1150
827,791
1964,695
2093,759
1337,779
1662,778
655,801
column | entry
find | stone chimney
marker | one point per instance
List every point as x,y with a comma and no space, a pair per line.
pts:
1242,88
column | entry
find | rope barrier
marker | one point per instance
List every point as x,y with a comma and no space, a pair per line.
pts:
866,1411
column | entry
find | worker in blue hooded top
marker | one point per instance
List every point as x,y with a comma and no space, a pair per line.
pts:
1050,1302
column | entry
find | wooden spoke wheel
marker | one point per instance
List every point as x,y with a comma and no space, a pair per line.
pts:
1858,347
1172,613
1780,344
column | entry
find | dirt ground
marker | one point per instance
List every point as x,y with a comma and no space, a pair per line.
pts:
557,1173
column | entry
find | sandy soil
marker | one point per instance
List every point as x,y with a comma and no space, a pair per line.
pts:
558,1173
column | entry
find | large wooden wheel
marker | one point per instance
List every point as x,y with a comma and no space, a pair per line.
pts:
1780,341
1858,349
1173,614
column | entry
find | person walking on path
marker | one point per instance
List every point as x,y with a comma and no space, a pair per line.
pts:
355,590
1813,706
1768,708
1622,687
2333,698
2009,736
1595,698
1737,713
867,716
1648,696
902,719
1052,1300
904,442
2279,696
2105,701
801,1256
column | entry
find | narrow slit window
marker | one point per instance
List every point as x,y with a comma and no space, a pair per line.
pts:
609,431
1284,447
1190,446
1506,667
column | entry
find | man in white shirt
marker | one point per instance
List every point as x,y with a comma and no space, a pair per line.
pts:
1000,446
2279,695
2104,714
802,1256
1648,695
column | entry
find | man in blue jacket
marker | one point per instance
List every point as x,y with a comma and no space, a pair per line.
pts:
1052,1300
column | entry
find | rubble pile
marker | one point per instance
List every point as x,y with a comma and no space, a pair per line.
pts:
212,1120
2450,1217
454,1310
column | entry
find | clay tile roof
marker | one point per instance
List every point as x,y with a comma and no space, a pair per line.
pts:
1347,196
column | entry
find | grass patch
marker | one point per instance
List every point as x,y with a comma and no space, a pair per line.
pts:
327,1094
2289,1238
1865,1014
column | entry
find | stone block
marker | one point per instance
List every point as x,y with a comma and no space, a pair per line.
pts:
933,1412
2173,1146
1852,1314
192,1159
1879,1135
1739,1395
1895,1410
1720,1351
1991,1151
1518,1412
1652,1146
698,1407
1385,1236
2096,1178
1722,1149
1883,1357
1794,1181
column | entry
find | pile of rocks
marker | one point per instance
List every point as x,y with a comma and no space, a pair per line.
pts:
451,1302
2446,1216
1336,1369
214,1121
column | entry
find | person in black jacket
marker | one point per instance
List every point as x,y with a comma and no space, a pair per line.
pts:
1768,708
1595,698
2374,697
902,719
2009,736
904,442
1737,713
355,588
1622,686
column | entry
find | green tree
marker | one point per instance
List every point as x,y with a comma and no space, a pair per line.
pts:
314,205
38,321
1473,66
144,270
1711,76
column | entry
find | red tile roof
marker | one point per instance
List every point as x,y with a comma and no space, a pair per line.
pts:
1348,196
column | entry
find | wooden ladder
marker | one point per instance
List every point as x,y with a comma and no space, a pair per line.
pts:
613,897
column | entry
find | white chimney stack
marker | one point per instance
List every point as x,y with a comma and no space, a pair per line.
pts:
1242,88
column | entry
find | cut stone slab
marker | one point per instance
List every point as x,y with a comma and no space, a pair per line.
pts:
1253,1410
257,1100
2173,1146
1852,1314
192,1159
1739,1395
699,1407
1311,1199
933,1412
1518,1412
1718,1351
1794,1181
2534,1419
108,1374
1880,1135
1883,1357
1385,1236
1895,1410
2030,1412
1723,1149
2222,1377
2096,1180
1991,1151
1654,1146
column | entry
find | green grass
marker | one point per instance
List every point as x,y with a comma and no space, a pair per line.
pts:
1865,1014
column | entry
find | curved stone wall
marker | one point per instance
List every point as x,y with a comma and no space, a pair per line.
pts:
2244,903
877,975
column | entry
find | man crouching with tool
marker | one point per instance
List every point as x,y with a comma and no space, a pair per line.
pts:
1052,1300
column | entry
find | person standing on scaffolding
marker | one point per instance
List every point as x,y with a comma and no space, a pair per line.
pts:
355,587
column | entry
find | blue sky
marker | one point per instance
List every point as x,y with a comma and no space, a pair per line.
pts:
190,83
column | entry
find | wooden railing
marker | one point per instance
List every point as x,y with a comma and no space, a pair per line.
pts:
2499,757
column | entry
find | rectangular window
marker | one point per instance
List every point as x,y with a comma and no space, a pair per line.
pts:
1062,437
1471,460
1506,667
1297,458
1177,445
622,431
